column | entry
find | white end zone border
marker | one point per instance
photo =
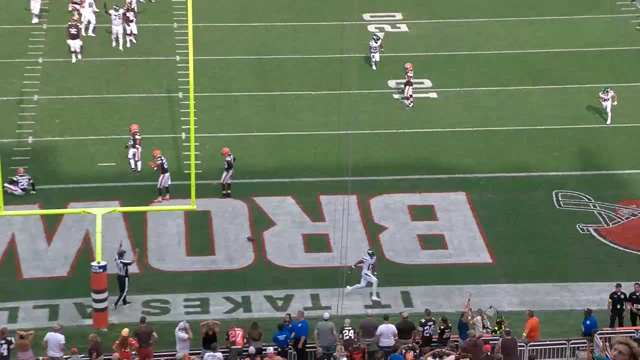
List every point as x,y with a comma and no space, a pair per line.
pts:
417,84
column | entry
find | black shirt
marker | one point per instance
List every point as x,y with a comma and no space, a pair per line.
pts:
348,336
444,334
6,345
618,300
405,329
427,327
208,339
634,300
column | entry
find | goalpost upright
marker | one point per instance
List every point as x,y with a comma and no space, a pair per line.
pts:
99,293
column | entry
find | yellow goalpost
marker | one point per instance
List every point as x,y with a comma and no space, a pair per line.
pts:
98,282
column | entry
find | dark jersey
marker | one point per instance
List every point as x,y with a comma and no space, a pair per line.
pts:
634,300
427,327
358,352
130,16
161,165
6,345
618,300
73,31
229,161
23,182
134,141
444,334
348,336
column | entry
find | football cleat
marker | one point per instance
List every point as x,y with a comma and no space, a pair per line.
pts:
20,171
158,200
134,128
408,66
156,153
226,151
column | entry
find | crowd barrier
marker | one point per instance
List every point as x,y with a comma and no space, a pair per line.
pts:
568,349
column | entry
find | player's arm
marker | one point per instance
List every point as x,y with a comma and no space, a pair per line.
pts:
33,187
359,262
106,9
615,98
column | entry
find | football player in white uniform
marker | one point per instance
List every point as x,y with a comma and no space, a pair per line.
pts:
35,11
606,97
135,149
369,275
375,46
164,181
88,11
20,184
116,24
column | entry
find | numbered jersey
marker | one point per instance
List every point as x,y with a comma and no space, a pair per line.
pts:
116,17
368,264
89,7
229,161
606,96
73,31
130,16
374,47
427,326
235,336
23,182
347,335
162,165
135,141
444,334
6,345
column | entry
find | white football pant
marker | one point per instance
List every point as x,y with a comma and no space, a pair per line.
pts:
135,158
116,33
607,107
226,177
164,180
13,190
367,278
35,7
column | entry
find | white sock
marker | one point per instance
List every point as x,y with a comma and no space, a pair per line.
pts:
374,289
73,56
139,165
91,27
132,163
609,117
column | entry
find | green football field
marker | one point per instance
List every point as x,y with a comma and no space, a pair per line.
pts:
456,195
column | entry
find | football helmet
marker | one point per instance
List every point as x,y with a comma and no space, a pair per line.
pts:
20,171
371,253
226,151
134,128
606,90
156,153
408,66
376,38
74,18
116,7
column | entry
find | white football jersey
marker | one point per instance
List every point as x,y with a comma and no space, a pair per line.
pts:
606,97
374,47
116,17
368,263
89,7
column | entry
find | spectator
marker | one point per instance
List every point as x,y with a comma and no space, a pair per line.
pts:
367,334
252,354
145,336
439,354
444,332
289,324
326,336
124,346
254,337
301,334
271,355
498,329
340,354
486,354
426,326
589,323
480,322
406,330
214,354
508,346
386,336
473,346
634,304
74,354
617,305
209,331
357,352
183,340
622,348
54,343
395,352
463,325
95,348
23,343
235,342
6,343
347,335
282,339
531,328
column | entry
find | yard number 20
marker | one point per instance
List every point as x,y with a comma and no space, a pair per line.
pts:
382,28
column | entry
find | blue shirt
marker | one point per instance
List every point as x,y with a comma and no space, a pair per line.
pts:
588,325
291,327
302,329
281,338
463,329
396,357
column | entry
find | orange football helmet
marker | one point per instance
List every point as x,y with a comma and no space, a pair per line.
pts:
226,151
408,66
134,128
156,153
20,171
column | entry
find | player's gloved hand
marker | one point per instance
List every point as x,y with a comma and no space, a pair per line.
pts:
152,164
615,103
375,274
350,270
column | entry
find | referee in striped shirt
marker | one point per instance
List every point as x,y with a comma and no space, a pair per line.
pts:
123,275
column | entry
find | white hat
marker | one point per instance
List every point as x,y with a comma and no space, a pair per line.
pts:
252,350
325,316
218,356
269,350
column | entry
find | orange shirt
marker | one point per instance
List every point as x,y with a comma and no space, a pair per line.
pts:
235,337
532,328
126,353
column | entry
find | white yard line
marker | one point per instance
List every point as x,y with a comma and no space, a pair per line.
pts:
326,92
329,56
363,178
329,23
338,132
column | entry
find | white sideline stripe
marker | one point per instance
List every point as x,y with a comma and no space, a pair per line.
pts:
428,21
263,57
21,158
328,92
31,82
628,9
22,149
33,67
28,105
635,21
189,172
364,178
18,167
189,162
106,164
339,132
26,122
27,114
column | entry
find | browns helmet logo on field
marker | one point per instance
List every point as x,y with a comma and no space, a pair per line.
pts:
619,225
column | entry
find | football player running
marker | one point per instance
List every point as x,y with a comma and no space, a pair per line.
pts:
375,46
35,11
164,181
88,11
20,184
408,85
74,39
130,25
369,275
135,149
227,174
606,97
116,24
